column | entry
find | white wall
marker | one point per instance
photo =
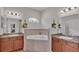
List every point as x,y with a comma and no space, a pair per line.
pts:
26,12
73,25
47,18
71,21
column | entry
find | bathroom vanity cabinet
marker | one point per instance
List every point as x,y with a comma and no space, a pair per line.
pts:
11,43
70,46
56,44
6,44
63,45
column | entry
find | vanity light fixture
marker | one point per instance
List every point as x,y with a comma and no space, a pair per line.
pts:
73,8
67,9
13,13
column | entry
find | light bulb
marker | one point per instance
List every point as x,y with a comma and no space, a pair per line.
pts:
9,12
62,11
66,9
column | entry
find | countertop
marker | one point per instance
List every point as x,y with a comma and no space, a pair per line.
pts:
74,39
11,35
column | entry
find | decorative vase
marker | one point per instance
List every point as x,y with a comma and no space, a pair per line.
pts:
53,24
25,25
59,25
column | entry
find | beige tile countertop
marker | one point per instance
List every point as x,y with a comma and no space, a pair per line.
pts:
11,35
74,39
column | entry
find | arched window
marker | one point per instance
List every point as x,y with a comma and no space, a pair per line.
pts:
33,20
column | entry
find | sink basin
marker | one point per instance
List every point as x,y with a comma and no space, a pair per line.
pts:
64,37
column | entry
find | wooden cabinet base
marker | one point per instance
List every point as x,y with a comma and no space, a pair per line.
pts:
56,47
6,45
61,45
21,49
70,47
11,43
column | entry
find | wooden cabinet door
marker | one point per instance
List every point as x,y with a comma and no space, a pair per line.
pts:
21,42
15,43
6,44
69,47
57,45
11,43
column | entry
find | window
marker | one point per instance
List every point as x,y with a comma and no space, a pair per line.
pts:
33,20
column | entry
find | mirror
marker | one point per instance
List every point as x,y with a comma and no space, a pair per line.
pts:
10,25
13,25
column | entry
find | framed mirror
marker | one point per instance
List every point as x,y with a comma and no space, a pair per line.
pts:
13,25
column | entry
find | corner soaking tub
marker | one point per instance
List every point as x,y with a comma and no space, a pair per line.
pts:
37,40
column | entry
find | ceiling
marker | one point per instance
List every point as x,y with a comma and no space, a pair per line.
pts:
39,8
